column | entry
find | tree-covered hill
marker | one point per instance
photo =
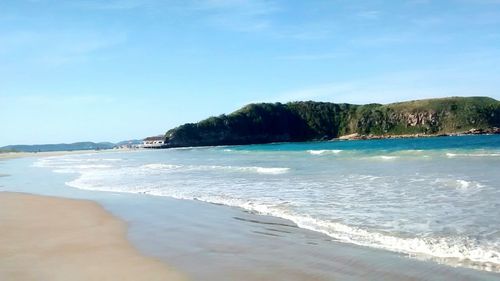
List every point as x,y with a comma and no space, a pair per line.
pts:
303,121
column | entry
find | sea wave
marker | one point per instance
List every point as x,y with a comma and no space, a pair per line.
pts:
324,151
385,157
58,161
462,248
455,249
252,169
201,184
451,249
160,166
459,184
452,155
112,159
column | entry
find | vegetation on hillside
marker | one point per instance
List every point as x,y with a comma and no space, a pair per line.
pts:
302,121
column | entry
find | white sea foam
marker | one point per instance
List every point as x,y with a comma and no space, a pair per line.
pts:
459,184
368,178
80,168
419,209
160,166
60,162
112,159
463,184
385,157
462,248
251,169
259,170
272,171
324,151
92,166
43,162
452,155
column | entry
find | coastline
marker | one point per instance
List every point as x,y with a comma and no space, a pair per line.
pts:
471,132
349,137
209,241
48,238
219,242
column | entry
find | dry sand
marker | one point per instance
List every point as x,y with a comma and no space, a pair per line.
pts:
46,238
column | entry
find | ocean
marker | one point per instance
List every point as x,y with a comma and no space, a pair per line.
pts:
429,198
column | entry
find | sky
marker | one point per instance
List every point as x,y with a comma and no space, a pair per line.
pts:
112,70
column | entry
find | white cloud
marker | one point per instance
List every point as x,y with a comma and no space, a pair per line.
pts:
400,86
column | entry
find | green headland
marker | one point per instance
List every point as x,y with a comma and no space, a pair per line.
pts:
306,121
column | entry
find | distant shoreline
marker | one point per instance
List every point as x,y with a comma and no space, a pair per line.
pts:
12,155
22,154
355,136
491,131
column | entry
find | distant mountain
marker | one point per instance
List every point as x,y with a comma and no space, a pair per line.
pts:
58,147
304,121
129,142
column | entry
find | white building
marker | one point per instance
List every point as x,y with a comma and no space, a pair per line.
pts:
154,142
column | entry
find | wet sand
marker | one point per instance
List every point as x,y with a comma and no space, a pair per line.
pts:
215,242
46,238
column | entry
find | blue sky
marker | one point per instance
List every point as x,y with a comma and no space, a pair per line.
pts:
120,69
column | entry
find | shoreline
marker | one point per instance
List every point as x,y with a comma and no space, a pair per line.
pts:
355,136
221,242
207,241
471,132
49,238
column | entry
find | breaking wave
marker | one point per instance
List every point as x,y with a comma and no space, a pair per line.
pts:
423,208
451,155
385,157
452,249
159,166
324,151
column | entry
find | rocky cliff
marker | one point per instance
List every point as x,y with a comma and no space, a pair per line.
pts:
303,121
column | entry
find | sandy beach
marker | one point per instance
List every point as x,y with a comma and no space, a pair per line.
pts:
46,238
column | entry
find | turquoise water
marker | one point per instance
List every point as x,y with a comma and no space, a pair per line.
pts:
458,142
436,198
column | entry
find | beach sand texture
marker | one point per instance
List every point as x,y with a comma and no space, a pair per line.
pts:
45,238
